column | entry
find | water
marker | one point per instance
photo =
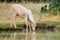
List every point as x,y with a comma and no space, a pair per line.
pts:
29,35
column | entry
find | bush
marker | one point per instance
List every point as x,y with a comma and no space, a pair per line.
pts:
1,0
8,1
43,9
54,6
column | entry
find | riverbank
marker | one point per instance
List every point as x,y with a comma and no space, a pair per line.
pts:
47,25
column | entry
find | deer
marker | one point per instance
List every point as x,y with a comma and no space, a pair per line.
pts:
22,12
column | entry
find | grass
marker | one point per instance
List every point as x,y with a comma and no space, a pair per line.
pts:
34,7
45,20
48,25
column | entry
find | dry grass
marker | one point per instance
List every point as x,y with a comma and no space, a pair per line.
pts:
5,14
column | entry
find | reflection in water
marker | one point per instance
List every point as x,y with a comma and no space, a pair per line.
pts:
18,36
10,36
13,36
29,36
33,36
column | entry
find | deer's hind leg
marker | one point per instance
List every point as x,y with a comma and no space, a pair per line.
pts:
12,19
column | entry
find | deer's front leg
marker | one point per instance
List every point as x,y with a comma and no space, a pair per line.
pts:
26,27
26,20
29,26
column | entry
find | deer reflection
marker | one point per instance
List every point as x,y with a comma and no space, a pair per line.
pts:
30,36
13,36
20,36
10,36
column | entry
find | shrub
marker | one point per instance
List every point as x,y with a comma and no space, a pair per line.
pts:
43,9
54,6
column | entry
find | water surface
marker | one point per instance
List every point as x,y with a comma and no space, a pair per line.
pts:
29,35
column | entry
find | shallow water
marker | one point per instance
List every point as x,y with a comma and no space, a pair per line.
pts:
30,35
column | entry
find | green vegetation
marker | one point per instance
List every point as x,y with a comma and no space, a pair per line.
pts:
43,9
54,7
40,25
